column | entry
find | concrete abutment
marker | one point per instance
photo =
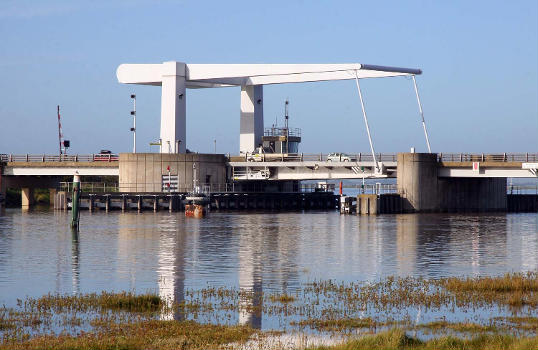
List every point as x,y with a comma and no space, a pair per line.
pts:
422,190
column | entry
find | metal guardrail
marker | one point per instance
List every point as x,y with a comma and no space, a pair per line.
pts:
320,157
276,131
522,189
500,157
377,188
57,158
93,187
101,187
291,157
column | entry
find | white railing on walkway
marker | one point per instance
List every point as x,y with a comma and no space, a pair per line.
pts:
295,157
102,187
482,157
57,158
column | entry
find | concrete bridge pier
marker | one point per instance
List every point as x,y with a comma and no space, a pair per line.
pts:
3,189
27,197
422,190
417,182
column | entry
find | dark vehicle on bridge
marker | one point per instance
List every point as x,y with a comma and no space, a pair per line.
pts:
105,156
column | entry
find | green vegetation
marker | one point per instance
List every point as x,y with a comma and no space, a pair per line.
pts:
283,298
150,334
462,327
337,324
82,303
397,339
500,313
13,198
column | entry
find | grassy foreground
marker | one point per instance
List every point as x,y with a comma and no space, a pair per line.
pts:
397,339
151,334
502,313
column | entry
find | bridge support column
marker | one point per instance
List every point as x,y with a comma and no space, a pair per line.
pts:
417,181
52,195
422,190
251,122
173,108
27,197
3,189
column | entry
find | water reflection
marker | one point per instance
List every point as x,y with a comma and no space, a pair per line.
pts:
171,266
75,267
270,252
250,277
407,231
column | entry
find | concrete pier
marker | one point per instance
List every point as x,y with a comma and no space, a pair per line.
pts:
27,197
218,201
423,190
417,181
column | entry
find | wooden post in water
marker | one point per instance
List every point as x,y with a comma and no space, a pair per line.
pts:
75,202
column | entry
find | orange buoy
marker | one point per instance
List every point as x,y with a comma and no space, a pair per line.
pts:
195,210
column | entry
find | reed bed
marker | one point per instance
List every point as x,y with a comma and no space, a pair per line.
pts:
502,307
398,339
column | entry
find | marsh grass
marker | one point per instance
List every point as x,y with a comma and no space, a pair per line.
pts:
282,298
150,334
512,289
337,325
472,307
124,301
397,339
462,327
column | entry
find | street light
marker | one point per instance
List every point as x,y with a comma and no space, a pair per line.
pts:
133,129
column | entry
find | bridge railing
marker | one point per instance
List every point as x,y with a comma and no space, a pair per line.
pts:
317,157
102,187
297,157
92,187
522,189
59,158
375,188
499,157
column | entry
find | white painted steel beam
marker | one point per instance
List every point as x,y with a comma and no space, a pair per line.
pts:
310,164
251,119
175,77
173,108
257,74
485,172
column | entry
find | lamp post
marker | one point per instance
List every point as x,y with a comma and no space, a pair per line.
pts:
133,129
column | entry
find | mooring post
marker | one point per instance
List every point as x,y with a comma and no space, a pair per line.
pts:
75,202
90,206
123,203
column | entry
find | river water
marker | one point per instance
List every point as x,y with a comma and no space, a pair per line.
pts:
167,253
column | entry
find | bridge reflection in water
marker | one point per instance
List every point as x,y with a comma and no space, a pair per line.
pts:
270,252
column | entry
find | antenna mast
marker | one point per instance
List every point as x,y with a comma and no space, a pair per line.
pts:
286,117
59,131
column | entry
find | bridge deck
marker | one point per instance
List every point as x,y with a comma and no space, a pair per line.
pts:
287,167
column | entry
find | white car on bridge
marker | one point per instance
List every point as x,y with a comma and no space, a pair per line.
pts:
340,157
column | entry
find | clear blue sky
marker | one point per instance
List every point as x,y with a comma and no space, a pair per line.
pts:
479,88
